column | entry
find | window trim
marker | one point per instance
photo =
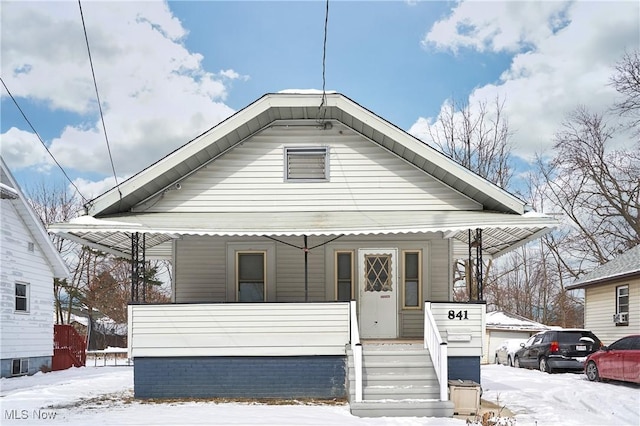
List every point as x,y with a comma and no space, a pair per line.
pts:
335,272
306,150
26,297
264,273
618,296
404,280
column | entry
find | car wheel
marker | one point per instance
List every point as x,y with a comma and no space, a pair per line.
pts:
592,372
509,361
516,362
544,366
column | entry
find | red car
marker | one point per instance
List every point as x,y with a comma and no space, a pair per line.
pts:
618,361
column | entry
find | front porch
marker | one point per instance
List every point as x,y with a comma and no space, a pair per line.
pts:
299,350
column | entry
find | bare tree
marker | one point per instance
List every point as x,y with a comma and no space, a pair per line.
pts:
477,137
598,191
626,81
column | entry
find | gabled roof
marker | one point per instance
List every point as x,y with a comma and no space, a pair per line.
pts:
12,192
626,265
269,109
111,217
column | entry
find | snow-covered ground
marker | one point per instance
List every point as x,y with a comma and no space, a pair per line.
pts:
102,396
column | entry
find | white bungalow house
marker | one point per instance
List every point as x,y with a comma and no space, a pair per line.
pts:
612,297
29,263
313,245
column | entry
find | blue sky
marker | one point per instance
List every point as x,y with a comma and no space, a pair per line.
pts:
168,71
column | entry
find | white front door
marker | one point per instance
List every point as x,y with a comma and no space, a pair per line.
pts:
378,293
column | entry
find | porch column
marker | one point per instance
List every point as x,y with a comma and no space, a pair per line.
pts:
138,272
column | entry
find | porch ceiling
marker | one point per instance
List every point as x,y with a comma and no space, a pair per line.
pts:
501,232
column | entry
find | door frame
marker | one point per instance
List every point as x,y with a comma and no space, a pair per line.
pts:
372,306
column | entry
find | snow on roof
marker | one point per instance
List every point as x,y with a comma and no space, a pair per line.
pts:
507,321
7,191
625,264
306,91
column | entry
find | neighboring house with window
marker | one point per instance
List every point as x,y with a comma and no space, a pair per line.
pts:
29,263
612,297
306,234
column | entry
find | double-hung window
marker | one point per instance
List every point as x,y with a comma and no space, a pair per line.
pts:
412,279
251,276
22,297
622,304
344,276
306,164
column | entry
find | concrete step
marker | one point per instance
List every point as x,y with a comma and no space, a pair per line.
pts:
397,393
394,380
412,408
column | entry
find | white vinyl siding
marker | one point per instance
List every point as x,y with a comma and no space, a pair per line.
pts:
199,272
464,333
600,306
440,271
364,176
24,334
238,329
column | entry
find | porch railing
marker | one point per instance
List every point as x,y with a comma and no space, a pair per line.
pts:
356,347
437,350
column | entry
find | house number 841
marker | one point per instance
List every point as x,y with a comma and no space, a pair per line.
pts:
459,315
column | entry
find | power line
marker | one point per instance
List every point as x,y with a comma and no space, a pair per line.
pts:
95,85
41,141
324,60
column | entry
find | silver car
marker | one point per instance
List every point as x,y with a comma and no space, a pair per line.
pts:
506,351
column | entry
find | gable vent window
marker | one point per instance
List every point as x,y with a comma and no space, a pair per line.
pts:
306,164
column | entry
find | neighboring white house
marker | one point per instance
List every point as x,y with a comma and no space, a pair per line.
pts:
612,297
29,263
282,219
504,325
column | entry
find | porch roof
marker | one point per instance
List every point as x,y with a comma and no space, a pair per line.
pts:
502,232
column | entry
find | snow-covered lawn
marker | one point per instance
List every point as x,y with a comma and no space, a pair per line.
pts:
102,396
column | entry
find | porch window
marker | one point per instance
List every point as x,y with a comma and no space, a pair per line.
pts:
306,164
19,367
412,279
22,297
251,278
344,276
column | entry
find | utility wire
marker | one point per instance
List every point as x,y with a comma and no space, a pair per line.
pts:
95,85
41,141
324,61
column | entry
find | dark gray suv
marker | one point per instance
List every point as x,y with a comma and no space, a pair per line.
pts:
553,350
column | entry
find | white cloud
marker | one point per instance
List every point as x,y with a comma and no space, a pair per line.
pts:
91,189
233,75
155,93
556,67
21,149
497,26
